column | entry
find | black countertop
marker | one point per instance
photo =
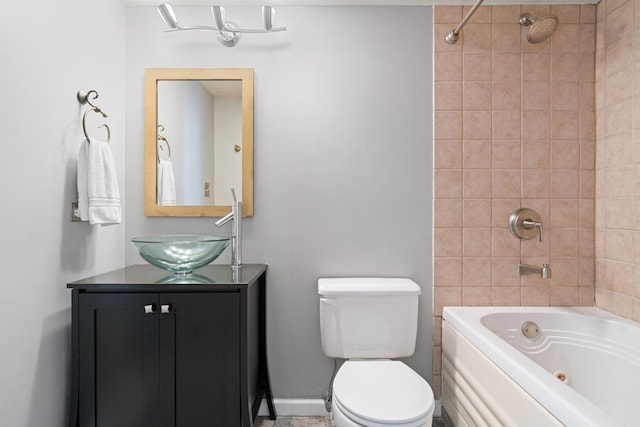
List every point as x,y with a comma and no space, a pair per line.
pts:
149,278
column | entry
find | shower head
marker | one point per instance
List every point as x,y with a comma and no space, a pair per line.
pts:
541,28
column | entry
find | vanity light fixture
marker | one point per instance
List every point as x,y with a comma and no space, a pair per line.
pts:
228,32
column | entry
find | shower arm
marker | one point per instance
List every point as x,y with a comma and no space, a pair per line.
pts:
452,37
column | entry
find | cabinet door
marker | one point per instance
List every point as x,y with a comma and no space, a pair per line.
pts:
118,363
200,359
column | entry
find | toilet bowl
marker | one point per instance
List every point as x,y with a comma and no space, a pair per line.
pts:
380,393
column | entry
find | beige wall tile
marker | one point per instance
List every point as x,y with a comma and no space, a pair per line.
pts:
565,125
476,213
447,242
506,96
504,244
506,37
447,272
536,183
476,242
448,95
447,154
446,296
506,66
536,67
564,242
477,96
505,296
588,13
477,154
477,272
506,154
536,125
477,38
447,184
447,66
536,154
536,95
447,14
506,125
477,125
565,96
448,125
477,184
535,296
447,213
477,66
505,14
567,14
565,154
476,296
565,184
506,183
563,66
564,296
504,271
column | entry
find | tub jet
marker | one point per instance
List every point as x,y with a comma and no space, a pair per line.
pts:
530,330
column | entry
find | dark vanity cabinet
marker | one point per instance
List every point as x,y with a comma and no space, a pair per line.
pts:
159,351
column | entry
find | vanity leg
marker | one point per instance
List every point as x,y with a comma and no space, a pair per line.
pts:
264,365
73,409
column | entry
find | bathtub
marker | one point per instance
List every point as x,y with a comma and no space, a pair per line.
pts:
583,369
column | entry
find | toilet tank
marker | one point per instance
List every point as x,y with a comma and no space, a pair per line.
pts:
369,318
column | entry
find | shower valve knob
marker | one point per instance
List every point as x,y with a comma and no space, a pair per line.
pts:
526,224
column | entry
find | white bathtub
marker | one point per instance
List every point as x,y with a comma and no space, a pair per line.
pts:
493,375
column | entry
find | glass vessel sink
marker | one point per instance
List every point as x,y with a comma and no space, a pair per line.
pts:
180,254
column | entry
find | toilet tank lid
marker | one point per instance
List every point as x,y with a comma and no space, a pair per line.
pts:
367,285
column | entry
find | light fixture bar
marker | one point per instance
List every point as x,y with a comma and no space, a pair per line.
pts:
168,16
228,32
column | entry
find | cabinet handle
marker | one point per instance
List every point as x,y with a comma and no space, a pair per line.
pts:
149,308
165,308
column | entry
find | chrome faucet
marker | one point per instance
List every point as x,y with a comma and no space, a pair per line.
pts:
236,231
544,271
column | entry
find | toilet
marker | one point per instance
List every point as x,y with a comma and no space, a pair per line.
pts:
370,322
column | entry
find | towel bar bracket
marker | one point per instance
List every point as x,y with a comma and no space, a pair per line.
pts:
75,213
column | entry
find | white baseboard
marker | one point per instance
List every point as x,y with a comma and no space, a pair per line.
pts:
310,408
295,407
437,410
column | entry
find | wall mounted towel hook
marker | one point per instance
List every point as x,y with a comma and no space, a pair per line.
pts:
161,148
83,98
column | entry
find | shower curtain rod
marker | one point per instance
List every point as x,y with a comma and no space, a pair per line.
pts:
452,37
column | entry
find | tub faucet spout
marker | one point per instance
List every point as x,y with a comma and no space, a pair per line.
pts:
236,231
544,271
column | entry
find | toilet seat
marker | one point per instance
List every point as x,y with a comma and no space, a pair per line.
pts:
381,393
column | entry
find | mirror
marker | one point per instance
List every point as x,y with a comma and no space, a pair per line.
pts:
198,135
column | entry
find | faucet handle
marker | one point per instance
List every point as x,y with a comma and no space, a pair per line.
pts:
524,222
530,224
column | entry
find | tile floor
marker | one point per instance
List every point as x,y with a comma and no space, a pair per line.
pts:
312,422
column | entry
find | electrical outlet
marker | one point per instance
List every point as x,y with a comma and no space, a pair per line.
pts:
207,187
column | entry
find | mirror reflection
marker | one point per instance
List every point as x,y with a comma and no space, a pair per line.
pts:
198,141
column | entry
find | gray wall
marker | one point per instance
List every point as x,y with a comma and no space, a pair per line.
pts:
50,50
343,159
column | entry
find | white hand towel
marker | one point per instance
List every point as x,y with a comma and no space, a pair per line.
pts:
166,186
102,185
83,194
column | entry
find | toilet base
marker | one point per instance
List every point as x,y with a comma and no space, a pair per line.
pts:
341,420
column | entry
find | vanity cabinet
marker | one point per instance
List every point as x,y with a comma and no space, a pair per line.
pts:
154,350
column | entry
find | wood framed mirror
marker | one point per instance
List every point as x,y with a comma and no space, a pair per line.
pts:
198,141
